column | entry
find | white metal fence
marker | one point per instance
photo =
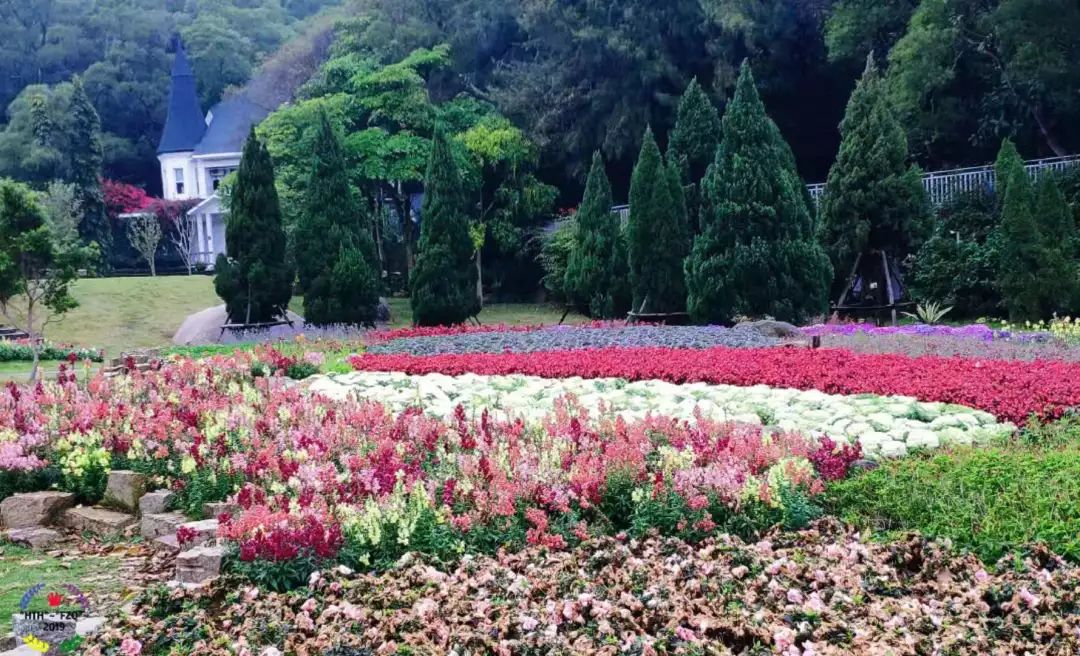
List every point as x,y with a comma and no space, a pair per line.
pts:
943,185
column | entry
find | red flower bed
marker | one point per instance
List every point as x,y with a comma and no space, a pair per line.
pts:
1010,390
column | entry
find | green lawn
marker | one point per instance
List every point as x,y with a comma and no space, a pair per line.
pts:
116,314
22,568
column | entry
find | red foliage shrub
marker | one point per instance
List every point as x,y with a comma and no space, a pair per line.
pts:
121,197
1010,390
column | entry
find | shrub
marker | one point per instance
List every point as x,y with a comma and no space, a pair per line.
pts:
694,141
991,501
958,265
556,248
1024,256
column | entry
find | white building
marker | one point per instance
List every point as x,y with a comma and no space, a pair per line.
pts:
197,151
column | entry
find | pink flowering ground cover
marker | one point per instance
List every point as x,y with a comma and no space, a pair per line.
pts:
321,481
821,592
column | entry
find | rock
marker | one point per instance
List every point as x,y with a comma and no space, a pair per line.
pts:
213,510
89,625
199,565
8,642
923,439
97,521
35,537
124,490
166,543
865,465
53,628
200,532
34,508
770,328
155,503
893,449
159,524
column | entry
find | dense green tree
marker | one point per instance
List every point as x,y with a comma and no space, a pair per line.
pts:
36,272
1022,266
86,173
1057,228
254,276
596,273
693,143
221,57
1007,165
443,282
855,28
874,200
757,254
656,233
336,262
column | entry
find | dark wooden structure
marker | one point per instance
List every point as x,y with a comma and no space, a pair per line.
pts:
875,289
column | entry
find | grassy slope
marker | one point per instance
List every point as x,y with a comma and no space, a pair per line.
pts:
122,313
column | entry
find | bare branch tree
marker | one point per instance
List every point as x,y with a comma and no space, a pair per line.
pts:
144,233
183,238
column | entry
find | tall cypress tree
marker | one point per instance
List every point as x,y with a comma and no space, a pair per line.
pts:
1061,277
656,233
1007,163
1023,254
873,199
596,274
693,144
756,254
443,282
336,261
254,278
86,159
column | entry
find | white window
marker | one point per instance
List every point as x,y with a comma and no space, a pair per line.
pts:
218,174
179,175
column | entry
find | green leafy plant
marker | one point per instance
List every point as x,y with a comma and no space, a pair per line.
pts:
930,313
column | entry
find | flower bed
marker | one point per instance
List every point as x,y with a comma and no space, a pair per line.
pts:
562,338
22,351
319,480
822,592
882,425
1010,390
975,331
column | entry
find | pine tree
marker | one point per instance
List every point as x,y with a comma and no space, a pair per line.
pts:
443,282
693,144
873,201
336,260
1023,254
596,274
86,162
254,278
1061,277
1008,162
656,233
757,254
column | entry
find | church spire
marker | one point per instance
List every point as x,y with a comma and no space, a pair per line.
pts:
185,123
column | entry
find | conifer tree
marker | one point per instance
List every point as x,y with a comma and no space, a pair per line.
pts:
656,233
693,145
757,254
86,162
596,274
873,200
254,277
1061,276
1007,163
1023,255
443,282
336,261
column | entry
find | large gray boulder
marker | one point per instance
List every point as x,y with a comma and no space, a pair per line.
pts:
34,508
771,328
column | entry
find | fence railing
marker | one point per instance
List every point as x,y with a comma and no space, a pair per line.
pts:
943,185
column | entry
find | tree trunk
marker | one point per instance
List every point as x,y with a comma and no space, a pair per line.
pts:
1047,132
479,280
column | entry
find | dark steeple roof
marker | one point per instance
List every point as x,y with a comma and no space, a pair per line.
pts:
185,123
